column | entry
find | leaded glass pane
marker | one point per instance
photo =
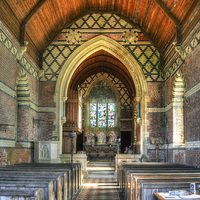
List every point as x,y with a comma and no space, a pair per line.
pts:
102,114
93,107
111,109
93,123
111,123
102,123
93,114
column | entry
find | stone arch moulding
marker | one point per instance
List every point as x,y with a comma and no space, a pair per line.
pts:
78,56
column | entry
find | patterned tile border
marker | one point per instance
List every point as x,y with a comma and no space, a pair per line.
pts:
179,61
11,47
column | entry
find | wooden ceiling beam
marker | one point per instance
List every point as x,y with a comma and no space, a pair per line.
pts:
27,19
168,13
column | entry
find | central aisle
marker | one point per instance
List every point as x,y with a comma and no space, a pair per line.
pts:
99,189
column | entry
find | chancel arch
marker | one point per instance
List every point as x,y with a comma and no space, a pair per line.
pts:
78,56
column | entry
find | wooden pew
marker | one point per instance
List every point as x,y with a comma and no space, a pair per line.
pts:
33,175
46,187
125,181
145,187
77,167
52,167
39,176
21,194
124,169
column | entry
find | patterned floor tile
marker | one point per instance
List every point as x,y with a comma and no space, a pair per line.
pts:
99,189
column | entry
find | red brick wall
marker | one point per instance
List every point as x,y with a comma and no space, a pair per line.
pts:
9,70
9,67
14,156
46,98
27,130
156,126
191,68
191,73
46,127
46,93
7,115
169,125
192,118
156,92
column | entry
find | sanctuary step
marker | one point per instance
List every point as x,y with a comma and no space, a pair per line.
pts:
101,164
101,174
101,170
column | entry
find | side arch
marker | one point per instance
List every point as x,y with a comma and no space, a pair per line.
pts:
78,56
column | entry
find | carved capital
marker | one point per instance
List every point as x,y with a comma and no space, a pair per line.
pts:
41,73
64,99
63,120
139,120
137,99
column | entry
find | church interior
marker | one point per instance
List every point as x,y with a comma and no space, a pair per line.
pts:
100,81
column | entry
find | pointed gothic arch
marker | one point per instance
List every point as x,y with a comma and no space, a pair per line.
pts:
78,56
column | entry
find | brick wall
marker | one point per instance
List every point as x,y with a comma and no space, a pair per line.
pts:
190,153
46,126
8,115
156,126
15,156
10,151
155,90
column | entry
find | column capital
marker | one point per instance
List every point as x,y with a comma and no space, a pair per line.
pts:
137,99
64,99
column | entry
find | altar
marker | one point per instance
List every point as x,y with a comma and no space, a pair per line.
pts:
101,147
101,152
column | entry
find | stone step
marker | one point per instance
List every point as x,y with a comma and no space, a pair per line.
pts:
100,168
101,164
101,174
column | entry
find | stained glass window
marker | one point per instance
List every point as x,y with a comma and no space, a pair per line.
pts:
102,115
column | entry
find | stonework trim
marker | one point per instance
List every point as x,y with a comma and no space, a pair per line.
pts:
80,54
12,45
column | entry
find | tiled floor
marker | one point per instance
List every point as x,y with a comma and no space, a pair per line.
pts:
99,189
